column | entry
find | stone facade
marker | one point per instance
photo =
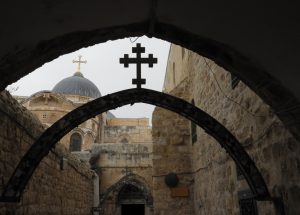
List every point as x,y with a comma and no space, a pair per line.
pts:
49,107
58,186
171,154
114,147
123,130
216,185
126,154
117,162
121,159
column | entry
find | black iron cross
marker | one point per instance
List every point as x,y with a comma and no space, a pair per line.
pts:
138,81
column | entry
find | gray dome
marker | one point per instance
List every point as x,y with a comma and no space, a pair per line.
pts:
77,85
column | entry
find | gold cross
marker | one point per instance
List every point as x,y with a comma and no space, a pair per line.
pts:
79,61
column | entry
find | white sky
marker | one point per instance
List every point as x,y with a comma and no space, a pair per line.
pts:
103,68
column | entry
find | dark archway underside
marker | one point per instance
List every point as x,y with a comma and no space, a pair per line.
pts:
284,103
17,183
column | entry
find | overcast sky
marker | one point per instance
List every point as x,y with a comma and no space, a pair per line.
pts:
103,68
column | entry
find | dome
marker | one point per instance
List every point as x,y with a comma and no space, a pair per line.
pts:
77,85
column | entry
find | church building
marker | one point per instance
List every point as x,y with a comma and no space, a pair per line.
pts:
118,149
72,92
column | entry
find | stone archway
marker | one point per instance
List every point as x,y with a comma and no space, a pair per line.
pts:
131,200
18,63
52,135
133,180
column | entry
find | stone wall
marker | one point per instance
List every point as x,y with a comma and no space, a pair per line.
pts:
116,162
128,121
123,130
171,154
52,189
217,184
268,142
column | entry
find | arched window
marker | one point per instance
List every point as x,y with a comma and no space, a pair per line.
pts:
193,129
75,142
124,140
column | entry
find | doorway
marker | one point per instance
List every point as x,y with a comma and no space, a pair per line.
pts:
133,209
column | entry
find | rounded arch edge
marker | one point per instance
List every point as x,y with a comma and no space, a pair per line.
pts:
50,137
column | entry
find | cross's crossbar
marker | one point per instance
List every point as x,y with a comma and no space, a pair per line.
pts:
126,60
138,81
79,61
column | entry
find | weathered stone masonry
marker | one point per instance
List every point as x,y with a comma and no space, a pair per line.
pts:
270,144
171,153
215,182
52,189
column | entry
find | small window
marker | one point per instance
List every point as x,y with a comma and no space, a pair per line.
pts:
182,52
124,140
193,129
234,81
75,142
44,115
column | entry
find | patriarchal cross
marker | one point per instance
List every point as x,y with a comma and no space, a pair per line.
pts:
79,61
138,60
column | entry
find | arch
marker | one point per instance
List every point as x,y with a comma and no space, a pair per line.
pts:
13,190
78,130
284,102
91,134
131,193
58,96
89,139
124,138
133,180
75,142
